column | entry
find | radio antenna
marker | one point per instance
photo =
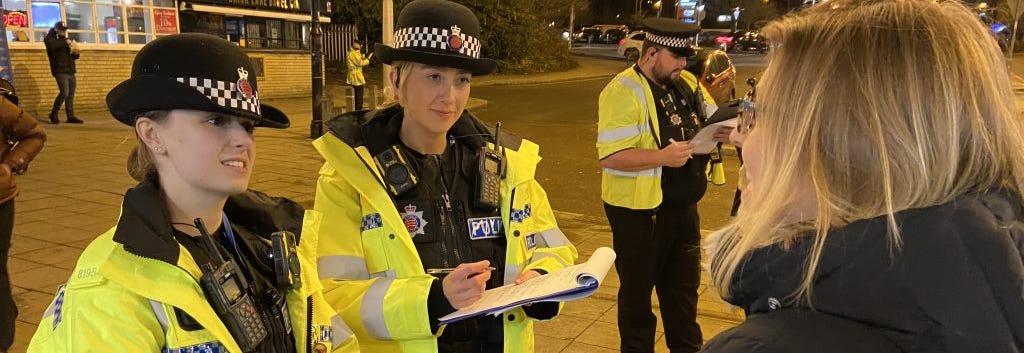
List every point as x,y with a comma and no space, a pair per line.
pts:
208,240
497,133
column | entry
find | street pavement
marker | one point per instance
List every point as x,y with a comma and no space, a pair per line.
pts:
73,190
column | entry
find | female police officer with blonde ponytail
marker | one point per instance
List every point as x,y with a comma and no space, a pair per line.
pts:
186,268
419,187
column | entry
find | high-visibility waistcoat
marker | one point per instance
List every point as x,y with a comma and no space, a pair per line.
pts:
121,302
355,63
628,119
369,266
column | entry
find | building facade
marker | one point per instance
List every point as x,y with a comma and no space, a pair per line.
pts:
275,34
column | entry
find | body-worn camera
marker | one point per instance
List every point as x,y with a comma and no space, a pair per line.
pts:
286,261
224,286
398,174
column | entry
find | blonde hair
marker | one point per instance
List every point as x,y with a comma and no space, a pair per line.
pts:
403,69
879,106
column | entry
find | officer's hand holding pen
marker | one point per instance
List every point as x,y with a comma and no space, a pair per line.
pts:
676,153
464,285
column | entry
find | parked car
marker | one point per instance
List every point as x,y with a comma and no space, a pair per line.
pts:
611,36
589,35
715,71
749,41
630,45
717,38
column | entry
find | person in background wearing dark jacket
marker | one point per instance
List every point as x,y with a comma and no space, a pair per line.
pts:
884,200
24,139
62,53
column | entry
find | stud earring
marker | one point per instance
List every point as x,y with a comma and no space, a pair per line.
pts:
158,149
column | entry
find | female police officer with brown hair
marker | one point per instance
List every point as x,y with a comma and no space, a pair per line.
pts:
188,266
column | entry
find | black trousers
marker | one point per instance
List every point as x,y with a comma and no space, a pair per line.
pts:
357,95
657,250
66,86
8,310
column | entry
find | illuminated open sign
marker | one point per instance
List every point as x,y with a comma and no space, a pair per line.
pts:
15,19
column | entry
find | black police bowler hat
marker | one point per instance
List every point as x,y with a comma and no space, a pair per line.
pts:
438,33
672,34
192,71
60,26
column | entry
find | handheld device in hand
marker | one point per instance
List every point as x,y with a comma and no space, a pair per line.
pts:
224,286
488,176
286,262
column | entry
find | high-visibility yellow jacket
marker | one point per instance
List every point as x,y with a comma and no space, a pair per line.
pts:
369,266
355,63
123,297
627,119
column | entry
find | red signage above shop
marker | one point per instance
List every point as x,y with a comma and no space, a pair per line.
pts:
15,19
166,21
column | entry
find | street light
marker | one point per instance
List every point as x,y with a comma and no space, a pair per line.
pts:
657,5
317,71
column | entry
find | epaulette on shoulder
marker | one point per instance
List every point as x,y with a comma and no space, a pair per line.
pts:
347,127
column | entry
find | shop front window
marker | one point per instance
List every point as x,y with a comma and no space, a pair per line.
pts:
139,21
139,38
82,37
91,21
80,16
45,14
15,17
111,29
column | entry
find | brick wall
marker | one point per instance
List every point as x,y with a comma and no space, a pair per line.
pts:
98,72
285,75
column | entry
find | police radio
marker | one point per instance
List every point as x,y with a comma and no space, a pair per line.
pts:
488,177
224,286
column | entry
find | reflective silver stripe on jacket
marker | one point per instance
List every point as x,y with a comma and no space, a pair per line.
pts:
340,332
511,272
552,238
160,313
653,172
621,133
372,310
537,256
342,267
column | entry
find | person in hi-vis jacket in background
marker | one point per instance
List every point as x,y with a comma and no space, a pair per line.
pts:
355,61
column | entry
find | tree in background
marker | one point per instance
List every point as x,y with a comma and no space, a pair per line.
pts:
516,33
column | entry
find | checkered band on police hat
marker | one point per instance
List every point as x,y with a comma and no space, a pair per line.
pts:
225,94
438,38
671,42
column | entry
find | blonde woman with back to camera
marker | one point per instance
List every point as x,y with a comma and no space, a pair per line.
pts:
884,207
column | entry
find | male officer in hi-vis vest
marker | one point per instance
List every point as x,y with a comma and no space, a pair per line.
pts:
651,182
